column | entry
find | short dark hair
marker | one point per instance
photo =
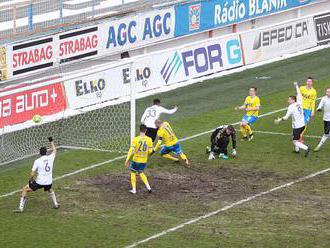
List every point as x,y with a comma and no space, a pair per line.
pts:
255,88
156,101
143,128
231,128
293,98
43,151
310,78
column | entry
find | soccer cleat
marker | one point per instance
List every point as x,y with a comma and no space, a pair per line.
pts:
132,191
56,207
307,152
211,156
244,138
18,211
251,137
149,191
318,148
225,157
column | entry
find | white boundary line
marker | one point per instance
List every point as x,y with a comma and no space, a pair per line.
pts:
285,134
248,199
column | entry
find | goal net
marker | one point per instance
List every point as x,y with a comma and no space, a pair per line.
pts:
83,115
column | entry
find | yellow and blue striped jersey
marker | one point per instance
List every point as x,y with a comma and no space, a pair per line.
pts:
252,103
141,148
309,97
166,133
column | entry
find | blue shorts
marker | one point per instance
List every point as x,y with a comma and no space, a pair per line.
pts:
250,119
137,167
168,149
307,115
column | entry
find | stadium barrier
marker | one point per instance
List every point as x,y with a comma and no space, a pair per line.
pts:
322,26
132,32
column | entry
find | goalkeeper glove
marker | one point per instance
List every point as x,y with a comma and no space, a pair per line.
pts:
277,121
50,139
234,153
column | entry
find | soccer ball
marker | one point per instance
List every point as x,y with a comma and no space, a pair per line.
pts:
36,119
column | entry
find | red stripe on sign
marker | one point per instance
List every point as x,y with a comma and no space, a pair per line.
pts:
22,106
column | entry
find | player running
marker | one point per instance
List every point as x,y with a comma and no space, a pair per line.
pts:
309,95
251,106
171,142
325,105
220,140
141,149
153,113
41,177
295,111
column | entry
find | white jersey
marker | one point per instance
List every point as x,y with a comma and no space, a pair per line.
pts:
295,111
153,113
325,105
44,168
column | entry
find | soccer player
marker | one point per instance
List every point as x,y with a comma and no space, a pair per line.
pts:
220,140
41,177
295,111
251,106
153,113
309,97
171,143
325,105
141,149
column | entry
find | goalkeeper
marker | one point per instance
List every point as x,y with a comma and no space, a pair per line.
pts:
220,139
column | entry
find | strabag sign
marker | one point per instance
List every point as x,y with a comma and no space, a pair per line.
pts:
31,56
138,30
21,105
322,27
275,41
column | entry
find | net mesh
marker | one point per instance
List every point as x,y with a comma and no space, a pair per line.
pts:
107,129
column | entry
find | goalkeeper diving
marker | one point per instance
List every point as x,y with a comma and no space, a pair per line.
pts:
220,139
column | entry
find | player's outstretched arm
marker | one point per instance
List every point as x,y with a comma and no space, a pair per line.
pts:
129,155
53,147
169,111
299,95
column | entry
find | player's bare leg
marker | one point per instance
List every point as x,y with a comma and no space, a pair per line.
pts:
302,146
23,199
53,199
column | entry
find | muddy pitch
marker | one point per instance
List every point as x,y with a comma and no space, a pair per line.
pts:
177,184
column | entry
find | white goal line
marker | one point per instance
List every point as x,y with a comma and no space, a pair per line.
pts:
240,202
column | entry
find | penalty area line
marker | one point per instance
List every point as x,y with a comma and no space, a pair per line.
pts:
240,202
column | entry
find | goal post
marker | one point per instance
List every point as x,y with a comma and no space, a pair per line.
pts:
89,110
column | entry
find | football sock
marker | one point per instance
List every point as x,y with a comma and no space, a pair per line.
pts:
243,131
22,203
323,140
183,156
248,130
145,180
301,145
133,181
53,198
170,157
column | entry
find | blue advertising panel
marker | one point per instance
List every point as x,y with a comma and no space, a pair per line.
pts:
205,15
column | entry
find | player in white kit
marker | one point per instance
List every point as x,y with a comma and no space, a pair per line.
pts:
325,105
295,111
152,114
41,177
